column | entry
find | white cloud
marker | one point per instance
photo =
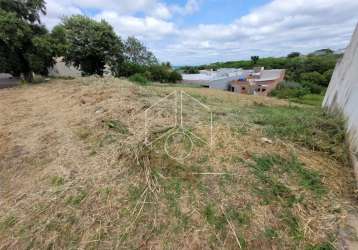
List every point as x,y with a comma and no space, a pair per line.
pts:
144,28
58,9
120,6
161,11
190,7
274,29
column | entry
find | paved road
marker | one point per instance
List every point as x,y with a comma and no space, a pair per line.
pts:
6,81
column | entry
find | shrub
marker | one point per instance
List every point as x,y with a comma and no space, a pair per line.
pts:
191,70
127,69
174,77
139,78
314,88
314,78
160,73
287,90
155,72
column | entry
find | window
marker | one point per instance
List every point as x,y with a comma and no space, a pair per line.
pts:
263,90
243,88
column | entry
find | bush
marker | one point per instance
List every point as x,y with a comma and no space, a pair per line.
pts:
162,73
155,72
314,78
191,70
287,93
287,90
314,88
127,69
174,77
139,78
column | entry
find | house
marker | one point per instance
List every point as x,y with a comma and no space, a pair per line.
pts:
219,79
257,81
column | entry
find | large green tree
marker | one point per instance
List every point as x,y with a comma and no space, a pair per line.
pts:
137,53
87,44
25,45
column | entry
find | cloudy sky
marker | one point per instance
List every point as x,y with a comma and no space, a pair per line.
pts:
191,32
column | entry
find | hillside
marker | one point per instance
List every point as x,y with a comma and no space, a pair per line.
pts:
75,173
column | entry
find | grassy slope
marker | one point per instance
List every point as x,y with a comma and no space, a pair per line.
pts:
75,173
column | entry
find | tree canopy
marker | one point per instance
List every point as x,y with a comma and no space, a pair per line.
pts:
137,53
25,45
87,44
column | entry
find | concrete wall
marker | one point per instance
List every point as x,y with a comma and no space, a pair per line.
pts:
223,84
61,69
342,93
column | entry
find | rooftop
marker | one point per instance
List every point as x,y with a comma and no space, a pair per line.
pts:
208,76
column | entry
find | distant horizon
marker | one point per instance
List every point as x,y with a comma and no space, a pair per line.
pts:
248,59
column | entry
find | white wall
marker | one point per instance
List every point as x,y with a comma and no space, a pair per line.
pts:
61,69
342,93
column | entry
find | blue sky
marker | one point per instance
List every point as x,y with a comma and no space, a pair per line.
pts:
192,32
219,11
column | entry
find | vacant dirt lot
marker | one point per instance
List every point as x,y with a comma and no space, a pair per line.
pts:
75,174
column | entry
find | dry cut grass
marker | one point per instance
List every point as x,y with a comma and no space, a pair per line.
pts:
75,171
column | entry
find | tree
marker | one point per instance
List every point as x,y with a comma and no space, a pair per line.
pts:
137,53
89,45
28,10
313,78
294,54
322,52
327,76
25,45
174,77
255,59
58,35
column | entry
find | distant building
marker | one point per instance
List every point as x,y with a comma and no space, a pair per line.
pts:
219,79
258,81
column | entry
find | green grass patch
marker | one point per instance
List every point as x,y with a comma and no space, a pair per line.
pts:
139,79
57,181
214,217
293,225
240,217
322,246
76,199
8,222
267,165
311,99
271,233
309,127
